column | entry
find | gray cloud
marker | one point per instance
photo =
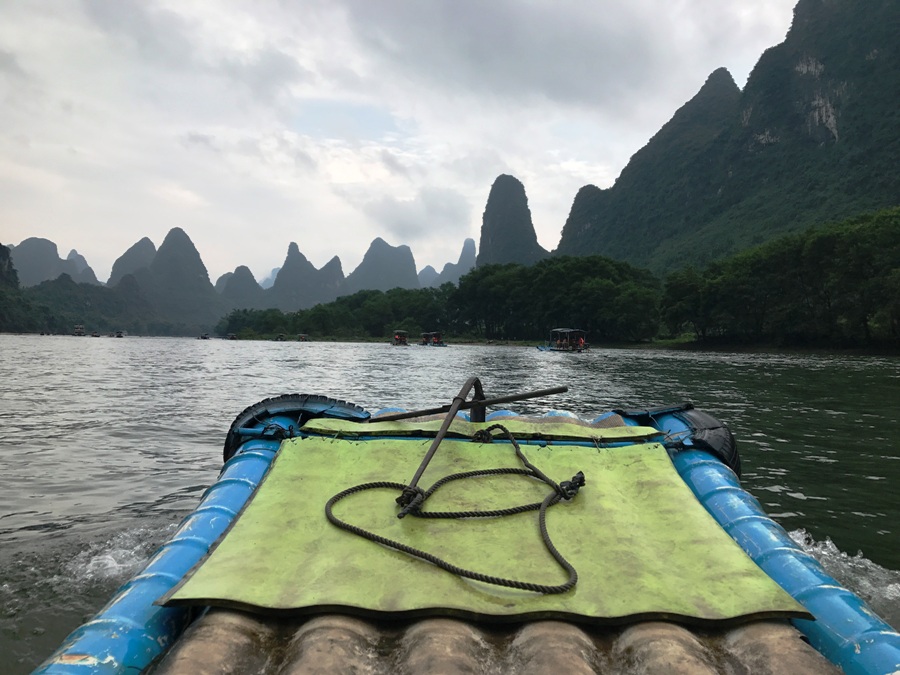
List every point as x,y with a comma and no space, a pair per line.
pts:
266,72
564,51
160,35
195,139
300,157
10,65
569,51
394,164
168,39
432,210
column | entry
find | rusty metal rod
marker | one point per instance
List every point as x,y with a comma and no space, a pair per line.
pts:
472,404
458,401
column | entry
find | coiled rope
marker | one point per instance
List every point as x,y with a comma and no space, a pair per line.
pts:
412,498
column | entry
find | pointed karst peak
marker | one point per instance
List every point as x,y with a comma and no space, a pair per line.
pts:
176,240
78,260
137,256
711,109
507,231
379,244
380,249
241,290
178,259
467,255
176,236
680,141
384,267
242,276
243,273
294,251
717,98
332,272
720,77
507,185
452,271
294,269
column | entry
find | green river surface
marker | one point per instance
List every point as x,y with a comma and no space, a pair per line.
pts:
107,443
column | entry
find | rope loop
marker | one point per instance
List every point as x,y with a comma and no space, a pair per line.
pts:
482,436
410,500
569,488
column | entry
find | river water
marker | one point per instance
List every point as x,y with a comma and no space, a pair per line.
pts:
107,443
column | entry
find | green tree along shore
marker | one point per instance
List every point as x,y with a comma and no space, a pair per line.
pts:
833,286
836,286
612,300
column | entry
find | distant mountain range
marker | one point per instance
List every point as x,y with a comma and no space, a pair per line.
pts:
38,260
174,284
813,138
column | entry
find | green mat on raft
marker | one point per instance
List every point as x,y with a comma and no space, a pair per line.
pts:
644,548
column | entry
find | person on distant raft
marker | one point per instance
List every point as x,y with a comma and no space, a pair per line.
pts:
581,342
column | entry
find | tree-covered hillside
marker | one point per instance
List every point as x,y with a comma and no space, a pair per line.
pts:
813,138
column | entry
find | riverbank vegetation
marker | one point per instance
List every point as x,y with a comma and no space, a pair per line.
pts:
612,300
837,286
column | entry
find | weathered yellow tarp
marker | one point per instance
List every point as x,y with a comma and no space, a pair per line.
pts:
643,546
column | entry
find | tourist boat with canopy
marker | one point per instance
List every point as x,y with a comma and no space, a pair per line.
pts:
566,340
400,339
468,538
432,339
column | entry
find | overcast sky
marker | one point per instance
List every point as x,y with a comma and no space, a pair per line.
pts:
251,124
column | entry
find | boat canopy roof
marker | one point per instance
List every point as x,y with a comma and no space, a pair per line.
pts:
568,330
399,332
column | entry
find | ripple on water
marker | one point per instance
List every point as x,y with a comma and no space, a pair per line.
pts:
116,559
51,584
878,586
